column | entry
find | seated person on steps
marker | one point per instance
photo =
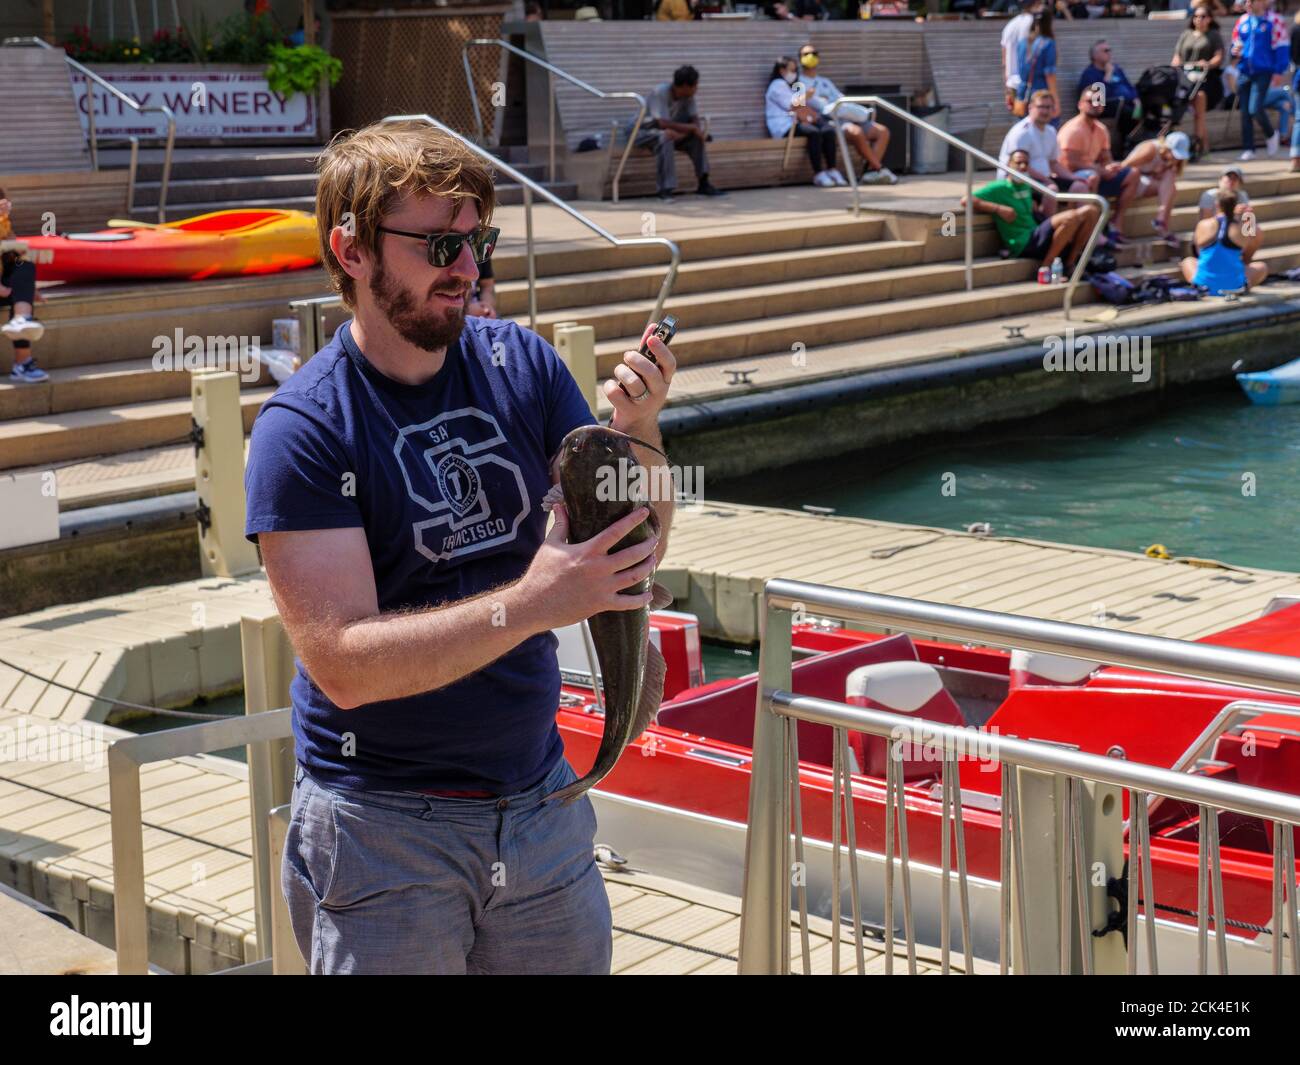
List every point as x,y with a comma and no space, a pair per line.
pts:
672,124
1035,135
1010,202
1085,145
1159,163
1225,250
18,293
1231,180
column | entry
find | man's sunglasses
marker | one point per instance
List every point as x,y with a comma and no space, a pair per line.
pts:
444,248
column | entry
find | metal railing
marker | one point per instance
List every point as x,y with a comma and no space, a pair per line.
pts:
774,790
972,153
125,757
530,187
553,72
161,109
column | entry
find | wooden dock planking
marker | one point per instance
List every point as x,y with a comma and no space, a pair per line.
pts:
723,552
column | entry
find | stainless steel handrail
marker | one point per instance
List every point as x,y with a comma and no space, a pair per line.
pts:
161,109
552,72
765,939
530,187
973,153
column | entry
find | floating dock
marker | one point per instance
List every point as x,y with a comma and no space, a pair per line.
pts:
164,646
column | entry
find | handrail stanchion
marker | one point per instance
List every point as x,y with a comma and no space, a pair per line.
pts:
973,153
552,71
550,107
162,109
970,222
765,915
532,258
528,184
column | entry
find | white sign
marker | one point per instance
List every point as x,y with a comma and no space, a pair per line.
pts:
231,104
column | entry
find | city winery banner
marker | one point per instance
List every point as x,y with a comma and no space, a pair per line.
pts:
207,102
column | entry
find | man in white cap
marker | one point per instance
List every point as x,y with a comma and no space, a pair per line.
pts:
1232,180
1160,162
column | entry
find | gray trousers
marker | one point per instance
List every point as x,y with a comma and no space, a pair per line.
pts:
666,160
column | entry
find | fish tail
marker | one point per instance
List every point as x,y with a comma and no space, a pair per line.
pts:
570,792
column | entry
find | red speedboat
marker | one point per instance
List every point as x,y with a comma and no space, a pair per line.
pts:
677,802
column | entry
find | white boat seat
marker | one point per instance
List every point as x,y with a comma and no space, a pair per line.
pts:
904,687
1036,667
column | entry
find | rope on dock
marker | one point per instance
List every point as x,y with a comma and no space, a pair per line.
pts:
194,714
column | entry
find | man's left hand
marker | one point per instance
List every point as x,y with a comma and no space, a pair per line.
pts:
646,384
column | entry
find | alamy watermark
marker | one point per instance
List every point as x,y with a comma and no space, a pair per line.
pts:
1099,353
194,351
654,484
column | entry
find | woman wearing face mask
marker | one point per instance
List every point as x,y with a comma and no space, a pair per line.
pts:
787,104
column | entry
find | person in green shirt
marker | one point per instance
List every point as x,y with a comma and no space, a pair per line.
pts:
1011,203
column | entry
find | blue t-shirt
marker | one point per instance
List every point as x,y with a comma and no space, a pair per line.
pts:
1041,58
446,478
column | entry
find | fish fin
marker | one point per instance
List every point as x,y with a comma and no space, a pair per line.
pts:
662,597
652,690
553,497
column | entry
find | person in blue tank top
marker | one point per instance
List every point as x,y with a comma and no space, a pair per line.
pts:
394,488
1225,249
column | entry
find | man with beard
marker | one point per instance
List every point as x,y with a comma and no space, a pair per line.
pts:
394,486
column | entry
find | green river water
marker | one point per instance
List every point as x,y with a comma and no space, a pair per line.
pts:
1210,476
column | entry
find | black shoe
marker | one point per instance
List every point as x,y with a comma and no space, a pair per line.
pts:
666,195
706,189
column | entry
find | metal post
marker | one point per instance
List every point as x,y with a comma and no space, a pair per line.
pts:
90,124
130,918
532,258
765,903
165,180
550,101
970,221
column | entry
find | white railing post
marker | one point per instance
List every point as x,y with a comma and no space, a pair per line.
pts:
576,346
765,904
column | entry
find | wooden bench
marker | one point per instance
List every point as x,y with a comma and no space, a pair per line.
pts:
46,170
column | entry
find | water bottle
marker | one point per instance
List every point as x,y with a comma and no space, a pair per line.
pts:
1058,271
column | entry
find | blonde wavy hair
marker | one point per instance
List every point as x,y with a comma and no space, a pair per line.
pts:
361,175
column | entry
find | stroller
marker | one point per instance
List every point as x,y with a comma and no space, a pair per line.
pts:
1166,93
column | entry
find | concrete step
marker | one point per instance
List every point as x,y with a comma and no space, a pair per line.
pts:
1137,220
726,273
841,324
115,384
239,188
202,164
92,324
511,194
106,430
740,311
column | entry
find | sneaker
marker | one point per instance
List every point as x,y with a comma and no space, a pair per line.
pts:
873,177
890,177
1273,143
29,372
707,189
666,195
21,327
824,180
837,177
1246,156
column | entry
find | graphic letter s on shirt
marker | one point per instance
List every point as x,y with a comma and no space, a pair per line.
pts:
455,468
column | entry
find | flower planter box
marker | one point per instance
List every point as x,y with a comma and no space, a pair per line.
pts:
214,103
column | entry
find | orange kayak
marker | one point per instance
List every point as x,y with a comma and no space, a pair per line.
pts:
218,244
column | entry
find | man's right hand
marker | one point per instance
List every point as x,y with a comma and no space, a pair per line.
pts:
1006,212
568,583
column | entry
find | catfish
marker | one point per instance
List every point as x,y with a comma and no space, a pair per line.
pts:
591,460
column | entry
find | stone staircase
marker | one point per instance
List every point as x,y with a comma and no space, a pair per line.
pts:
217,179
742,292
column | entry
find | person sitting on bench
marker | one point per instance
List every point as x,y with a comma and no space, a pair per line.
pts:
871,139
1034,134
1225,250
1010,202
787,104
672,124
